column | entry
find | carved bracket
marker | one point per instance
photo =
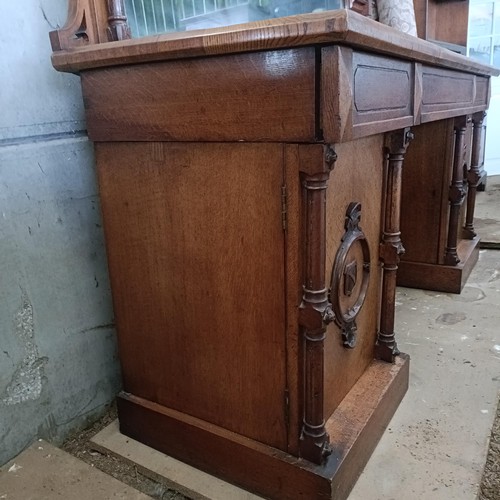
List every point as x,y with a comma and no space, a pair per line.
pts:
78,30
345,276
90,22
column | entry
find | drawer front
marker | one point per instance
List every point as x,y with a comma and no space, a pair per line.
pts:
382,89
482,97
364,94
448,93
262,96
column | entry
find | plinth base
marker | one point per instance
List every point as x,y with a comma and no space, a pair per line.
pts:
354,428
439,277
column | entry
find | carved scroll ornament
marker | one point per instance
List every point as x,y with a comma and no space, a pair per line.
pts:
346,296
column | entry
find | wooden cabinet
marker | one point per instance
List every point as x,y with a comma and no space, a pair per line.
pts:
440,181
250,181
444,22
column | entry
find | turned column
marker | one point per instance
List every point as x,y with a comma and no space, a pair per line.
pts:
473,176
456,193
315,310
391,247
118,29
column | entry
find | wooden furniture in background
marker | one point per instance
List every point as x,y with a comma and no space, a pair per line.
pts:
444,22
250,182
441,244
437,215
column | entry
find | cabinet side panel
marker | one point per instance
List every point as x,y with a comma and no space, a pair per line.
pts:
196,255
356,177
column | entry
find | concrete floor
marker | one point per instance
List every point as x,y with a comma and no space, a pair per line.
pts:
43,472
436,444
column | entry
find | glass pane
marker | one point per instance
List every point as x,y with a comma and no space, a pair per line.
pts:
496,51
148,17
481,19
480,49
496,27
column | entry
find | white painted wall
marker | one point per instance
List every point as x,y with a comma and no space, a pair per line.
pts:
492,152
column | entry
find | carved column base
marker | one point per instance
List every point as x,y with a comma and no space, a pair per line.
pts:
315,443
386,348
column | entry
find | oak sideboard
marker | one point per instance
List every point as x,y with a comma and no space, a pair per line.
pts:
250,181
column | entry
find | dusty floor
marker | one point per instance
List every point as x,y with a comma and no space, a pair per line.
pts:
490,483
435,446
80,446
487,224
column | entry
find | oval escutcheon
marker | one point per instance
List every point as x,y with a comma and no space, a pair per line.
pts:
350,276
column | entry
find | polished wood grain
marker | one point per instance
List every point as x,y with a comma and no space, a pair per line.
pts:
336,100
357,426
354,160
364,94
294,263
265,96
199,308
341,26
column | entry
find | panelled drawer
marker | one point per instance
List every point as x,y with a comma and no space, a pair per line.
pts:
448,93
364,94
377,94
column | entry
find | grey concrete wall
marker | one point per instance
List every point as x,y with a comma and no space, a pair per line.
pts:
58,361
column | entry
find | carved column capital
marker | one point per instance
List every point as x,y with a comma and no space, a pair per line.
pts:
397,142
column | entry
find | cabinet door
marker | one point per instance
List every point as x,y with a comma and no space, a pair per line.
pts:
196,257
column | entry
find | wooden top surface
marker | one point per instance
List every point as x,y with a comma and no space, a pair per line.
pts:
338,26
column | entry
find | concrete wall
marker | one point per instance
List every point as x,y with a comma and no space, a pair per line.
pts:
58,361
